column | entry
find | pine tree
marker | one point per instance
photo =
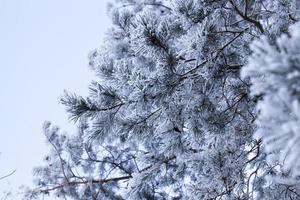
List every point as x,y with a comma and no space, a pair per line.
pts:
169,116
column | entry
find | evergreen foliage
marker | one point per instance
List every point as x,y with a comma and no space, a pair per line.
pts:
170,117
275,75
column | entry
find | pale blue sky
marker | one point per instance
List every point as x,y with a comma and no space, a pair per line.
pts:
44,46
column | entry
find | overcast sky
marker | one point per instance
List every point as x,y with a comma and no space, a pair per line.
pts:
44,46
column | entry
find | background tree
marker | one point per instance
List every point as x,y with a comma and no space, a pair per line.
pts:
169,116
6,194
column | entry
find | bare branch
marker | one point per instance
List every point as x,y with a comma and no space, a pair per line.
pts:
11,173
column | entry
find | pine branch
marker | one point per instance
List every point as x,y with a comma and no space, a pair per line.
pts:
246,18
94,181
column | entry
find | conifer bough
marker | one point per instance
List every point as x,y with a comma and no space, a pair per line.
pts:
169,116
